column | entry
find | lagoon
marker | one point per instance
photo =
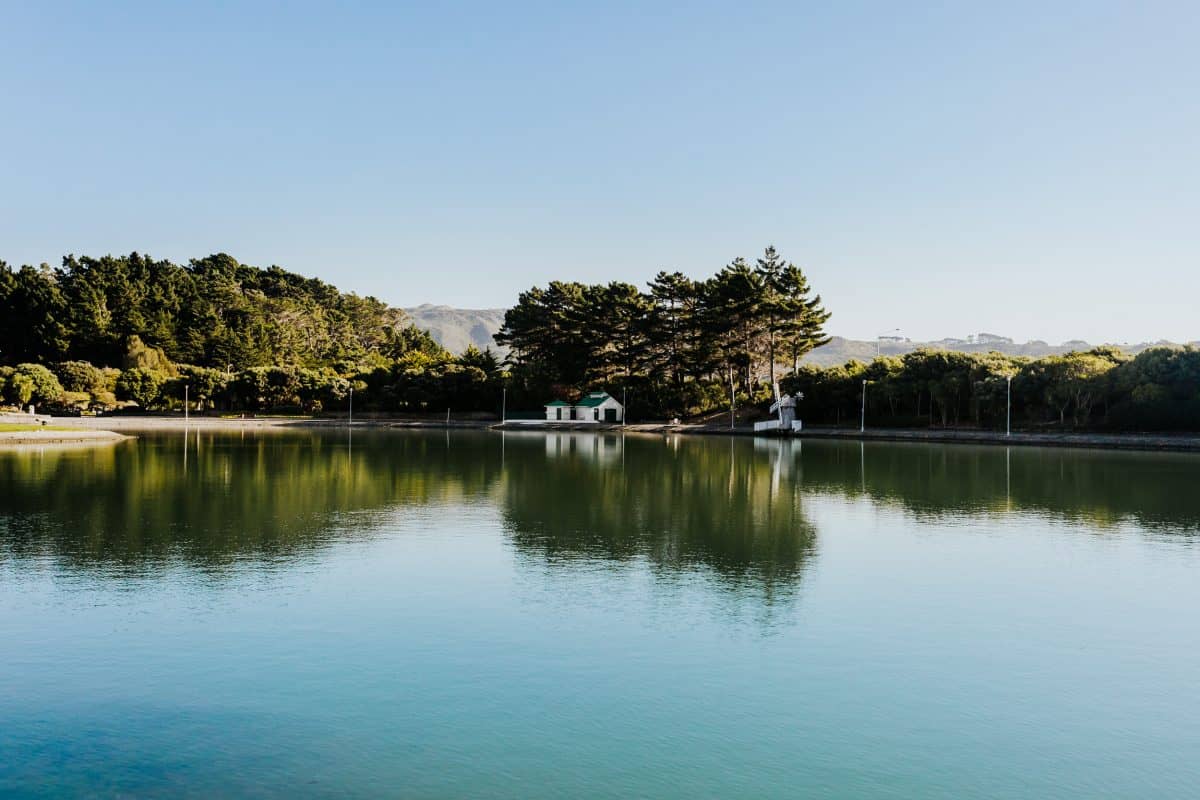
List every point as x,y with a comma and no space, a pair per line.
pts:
429,614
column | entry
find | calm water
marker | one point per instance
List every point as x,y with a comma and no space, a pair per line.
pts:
526,616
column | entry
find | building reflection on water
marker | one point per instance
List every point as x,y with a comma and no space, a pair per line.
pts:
733,507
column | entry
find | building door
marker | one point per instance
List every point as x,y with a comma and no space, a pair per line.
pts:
610,415
559,410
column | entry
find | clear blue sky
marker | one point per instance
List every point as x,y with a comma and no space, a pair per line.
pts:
1029,169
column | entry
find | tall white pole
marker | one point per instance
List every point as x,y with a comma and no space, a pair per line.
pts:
185,403
624,406
732,398
862,425
1008,424
504,405
350,421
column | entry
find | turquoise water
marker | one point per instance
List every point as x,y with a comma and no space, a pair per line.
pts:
573,615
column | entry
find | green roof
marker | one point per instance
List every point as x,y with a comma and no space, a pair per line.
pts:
589,400
593,399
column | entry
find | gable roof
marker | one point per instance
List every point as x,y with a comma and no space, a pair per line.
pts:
589,400
593,399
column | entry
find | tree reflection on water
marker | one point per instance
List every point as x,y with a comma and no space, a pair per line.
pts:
733,508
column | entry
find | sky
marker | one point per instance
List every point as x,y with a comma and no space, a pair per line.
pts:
1025,169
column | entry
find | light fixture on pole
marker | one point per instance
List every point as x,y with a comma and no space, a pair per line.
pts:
892,335
732,399
862,424
1008,422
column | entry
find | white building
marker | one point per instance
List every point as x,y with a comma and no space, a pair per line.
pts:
592,407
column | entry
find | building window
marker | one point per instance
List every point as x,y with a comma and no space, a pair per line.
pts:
595,413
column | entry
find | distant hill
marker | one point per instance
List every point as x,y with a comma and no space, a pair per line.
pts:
455,328
840,350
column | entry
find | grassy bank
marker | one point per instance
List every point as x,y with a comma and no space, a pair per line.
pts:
22,427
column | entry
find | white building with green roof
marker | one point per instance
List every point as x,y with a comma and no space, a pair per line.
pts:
593,407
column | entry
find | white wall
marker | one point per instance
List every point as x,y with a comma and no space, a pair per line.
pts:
584,414
612,403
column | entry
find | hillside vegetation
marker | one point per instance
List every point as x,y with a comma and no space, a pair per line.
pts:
100,333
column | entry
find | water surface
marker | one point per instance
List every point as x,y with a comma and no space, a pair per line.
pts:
525,615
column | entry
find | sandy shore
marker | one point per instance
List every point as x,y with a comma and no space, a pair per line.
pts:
56,437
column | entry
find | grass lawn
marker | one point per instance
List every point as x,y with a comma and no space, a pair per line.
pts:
267,416
22,427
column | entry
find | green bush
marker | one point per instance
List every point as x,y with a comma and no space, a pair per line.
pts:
80,376
141,386
45,388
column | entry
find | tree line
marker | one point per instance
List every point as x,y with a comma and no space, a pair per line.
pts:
680,346
212,312
1102,388
96,333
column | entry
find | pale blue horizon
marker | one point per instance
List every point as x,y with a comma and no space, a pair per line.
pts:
1024,170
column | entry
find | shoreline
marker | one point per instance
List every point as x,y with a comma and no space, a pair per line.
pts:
90,427
82,436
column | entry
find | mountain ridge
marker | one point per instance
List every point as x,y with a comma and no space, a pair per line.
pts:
456,328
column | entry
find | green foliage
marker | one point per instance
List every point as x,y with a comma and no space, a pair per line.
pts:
203,383
1102,388
140,385
18,389
140,356
676,346
136,311
80,376
33,383
1158,389
32,307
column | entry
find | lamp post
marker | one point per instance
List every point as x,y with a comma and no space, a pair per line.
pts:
350,420
732,398
862,424
1008,420
879,338
185,404
504,405
624,404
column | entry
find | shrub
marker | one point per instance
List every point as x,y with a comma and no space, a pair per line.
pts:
45,387
80,376
140,385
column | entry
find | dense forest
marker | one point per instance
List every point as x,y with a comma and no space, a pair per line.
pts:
1102,388
125,331
680,348
97,332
